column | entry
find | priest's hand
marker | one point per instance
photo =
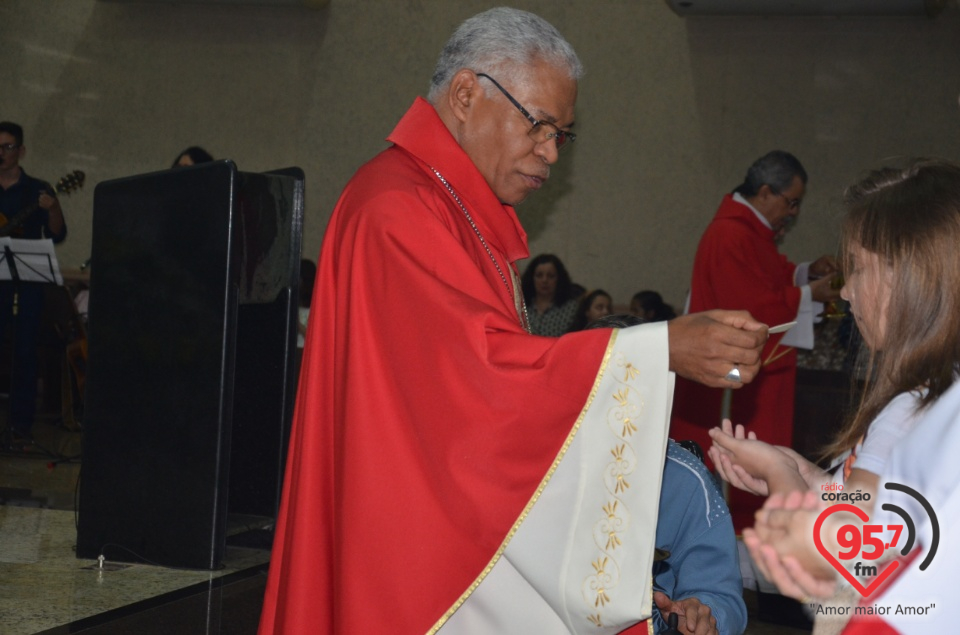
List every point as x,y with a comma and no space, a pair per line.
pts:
822,291
695,617
823,266
705,347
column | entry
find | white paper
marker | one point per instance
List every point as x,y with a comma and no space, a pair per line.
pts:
34,260
780,328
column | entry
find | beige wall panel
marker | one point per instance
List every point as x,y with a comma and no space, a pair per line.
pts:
671,112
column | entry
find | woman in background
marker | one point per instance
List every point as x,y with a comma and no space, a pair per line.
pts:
550,296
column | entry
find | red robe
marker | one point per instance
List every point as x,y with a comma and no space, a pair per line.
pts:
426,416
737,266
886,596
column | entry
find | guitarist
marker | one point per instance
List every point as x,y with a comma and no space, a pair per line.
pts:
19,192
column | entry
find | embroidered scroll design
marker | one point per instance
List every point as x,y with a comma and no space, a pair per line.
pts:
623,417
601,375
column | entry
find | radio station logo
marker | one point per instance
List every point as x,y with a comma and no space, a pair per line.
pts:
862,546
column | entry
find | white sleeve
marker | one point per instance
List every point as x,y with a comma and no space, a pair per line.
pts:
801,335
886,432
801,275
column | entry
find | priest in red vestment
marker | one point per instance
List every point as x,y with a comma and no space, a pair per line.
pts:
447,470
737,266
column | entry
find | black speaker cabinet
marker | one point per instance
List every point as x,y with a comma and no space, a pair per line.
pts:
192,343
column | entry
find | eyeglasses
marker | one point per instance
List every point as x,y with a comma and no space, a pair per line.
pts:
9,147
542,130
794,203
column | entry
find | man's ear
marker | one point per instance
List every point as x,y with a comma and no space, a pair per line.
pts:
463,93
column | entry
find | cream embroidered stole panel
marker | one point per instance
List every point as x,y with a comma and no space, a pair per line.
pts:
580,558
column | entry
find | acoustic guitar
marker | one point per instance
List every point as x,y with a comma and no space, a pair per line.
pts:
69,183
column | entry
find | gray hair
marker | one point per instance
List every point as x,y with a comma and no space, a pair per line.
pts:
501,37
776,170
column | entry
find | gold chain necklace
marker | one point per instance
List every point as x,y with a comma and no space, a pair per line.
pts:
518,300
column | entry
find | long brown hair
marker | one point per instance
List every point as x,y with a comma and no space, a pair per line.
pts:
910,217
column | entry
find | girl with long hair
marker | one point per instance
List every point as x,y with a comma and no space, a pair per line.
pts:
591,308
902,271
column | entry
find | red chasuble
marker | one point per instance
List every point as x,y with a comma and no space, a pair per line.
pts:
737,266
865,621
426,416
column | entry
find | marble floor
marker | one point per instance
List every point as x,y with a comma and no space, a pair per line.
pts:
44,588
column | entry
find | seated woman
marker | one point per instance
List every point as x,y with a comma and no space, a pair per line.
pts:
592,307
902,272
550,296
650,306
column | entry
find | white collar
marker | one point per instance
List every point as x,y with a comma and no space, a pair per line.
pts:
763,219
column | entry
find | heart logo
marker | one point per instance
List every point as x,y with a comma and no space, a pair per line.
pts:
862,515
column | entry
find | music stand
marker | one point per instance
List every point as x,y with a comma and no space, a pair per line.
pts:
28,261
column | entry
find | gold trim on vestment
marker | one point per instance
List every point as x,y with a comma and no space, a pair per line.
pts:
536,495
622,418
